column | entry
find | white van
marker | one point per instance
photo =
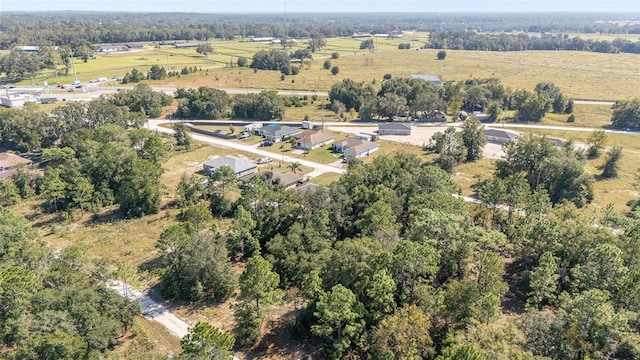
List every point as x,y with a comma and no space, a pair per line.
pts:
77,82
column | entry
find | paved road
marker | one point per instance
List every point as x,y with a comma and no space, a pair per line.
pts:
152,309
319,169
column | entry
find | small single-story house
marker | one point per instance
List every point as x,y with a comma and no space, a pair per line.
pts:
277,133
394,128
362,150
309,140
499,136
287,180
240,167
428,78
9,162
340,145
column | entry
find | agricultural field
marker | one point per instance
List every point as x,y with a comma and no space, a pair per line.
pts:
581,75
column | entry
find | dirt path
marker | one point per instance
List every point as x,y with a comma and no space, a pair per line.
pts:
152,309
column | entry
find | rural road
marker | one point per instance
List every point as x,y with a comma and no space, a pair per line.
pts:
152,309
319,169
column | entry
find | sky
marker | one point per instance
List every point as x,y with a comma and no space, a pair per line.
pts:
316,6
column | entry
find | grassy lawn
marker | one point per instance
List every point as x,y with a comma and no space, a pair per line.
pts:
594,116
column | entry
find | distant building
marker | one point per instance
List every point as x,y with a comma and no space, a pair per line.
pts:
366,137
263,39
186,45
360,35
497,136
29,48
240,167
309,140
111,47
428,78
277,133
394,128
17,100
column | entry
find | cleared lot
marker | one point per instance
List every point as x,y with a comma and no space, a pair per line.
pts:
420,136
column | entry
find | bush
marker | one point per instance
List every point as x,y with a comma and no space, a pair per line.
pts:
442,55
335,70
242,61
327,64
335,55
387,76
571,119
404,46
295,70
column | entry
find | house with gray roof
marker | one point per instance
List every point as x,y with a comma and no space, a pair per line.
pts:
497,136
276,133
394,128
361,150
341,145
240,167
310,140
428,78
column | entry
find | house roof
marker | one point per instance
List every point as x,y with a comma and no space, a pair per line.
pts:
9,160
238,165
360,149
429,78
314,137
285,180
394,126
282,131
502,134
348,142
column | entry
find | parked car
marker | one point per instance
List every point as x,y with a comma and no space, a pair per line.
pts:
77,82
244,135
266,143
93,81
264,160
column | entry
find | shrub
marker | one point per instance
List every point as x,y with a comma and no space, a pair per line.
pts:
335,70
327,64
442,55
571,119
242,61
335,55
387,76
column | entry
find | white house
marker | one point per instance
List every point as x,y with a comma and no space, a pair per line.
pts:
240,167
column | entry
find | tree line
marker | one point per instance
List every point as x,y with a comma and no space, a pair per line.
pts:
68,28
419,99
462,40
